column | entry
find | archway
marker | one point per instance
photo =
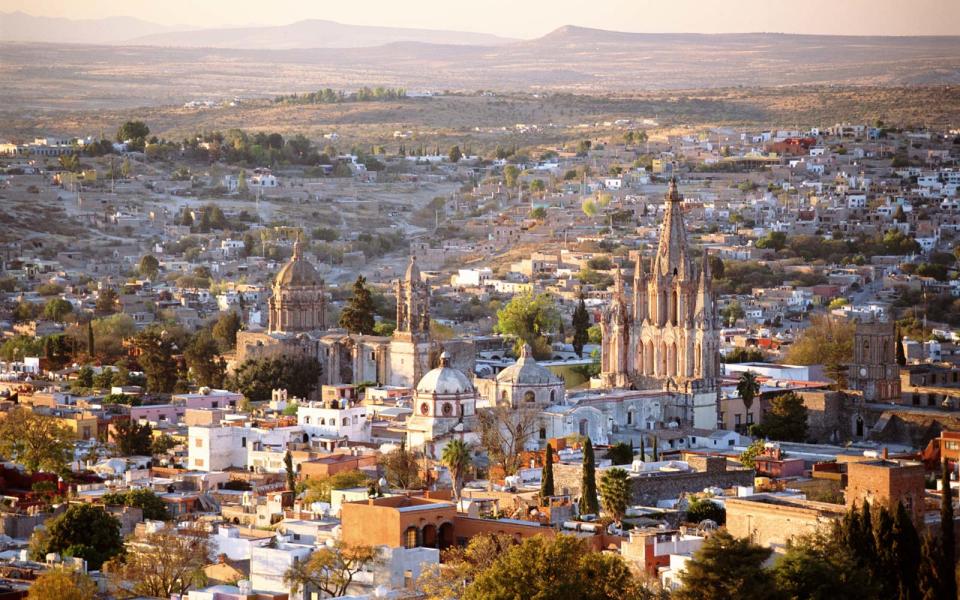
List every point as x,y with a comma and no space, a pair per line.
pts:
446,535
429,536
584,427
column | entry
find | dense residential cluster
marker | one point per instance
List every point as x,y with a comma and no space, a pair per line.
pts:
248,366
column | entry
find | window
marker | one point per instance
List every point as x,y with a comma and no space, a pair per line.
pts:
529,396
952,445
749,418
410,538
737,418
198,462
243,442
215,404
198,443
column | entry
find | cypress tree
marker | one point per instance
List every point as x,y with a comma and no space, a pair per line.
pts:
588,488
929,576
901,356
655,450
887,564
906,551
581,326
288,467
90,346
546,476
643,451
948,554
358,315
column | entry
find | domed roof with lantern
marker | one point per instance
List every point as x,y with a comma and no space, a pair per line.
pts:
298,272
444,380
526,371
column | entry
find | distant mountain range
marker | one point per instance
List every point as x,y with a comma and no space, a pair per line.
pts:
21,27
311,33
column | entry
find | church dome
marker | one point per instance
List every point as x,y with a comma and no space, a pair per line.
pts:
526,371
444,380
298,271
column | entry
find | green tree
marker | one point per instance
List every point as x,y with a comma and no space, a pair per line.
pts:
906,548
106,301
153,507
226,328
581,326
456,457
86,531
203,360
947,567
546,476
615,493
748,387
164,563
288,469
256,378
510,175
91,347
318,489
57,309
149,266
156,357
827,341
455,155
136,131
727,567
732,312
358,315
37,442
531,318
589,505
558,568
132,438
699,509
753,450
786,421
620,453
775,240
815,567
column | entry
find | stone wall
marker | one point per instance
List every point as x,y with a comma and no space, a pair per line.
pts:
648,489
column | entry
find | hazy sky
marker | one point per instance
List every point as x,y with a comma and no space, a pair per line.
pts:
529,18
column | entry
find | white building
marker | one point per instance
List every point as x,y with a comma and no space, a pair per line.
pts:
320,420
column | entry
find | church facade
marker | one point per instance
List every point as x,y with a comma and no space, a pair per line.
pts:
297,326
668,337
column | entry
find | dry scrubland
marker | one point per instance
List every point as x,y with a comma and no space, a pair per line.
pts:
454,119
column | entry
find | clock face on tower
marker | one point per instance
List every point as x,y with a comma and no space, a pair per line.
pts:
863,371
425,409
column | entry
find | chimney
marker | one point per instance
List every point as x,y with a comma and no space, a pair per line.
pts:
884,454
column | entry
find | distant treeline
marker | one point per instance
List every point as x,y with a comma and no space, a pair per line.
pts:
330,96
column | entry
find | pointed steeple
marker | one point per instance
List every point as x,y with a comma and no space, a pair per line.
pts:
671,258
618,283
703,311
413,271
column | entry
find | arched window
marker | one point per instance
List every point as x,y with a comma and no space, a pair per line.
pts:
503,395
553,396
346,421
529,396
410,537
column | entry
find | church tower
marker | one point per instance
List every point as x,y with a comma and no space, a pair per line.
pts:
410,347
615,330
670,339
874,370
298,301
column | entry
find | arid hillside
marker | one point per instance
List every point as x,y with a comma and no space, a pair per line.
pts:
49,76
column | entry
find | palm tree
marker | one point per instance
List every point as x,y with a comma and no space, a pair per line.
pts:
456,456
748,387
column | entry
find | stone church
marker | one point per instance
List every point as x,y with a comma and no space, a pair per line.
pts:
669,338
297,326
